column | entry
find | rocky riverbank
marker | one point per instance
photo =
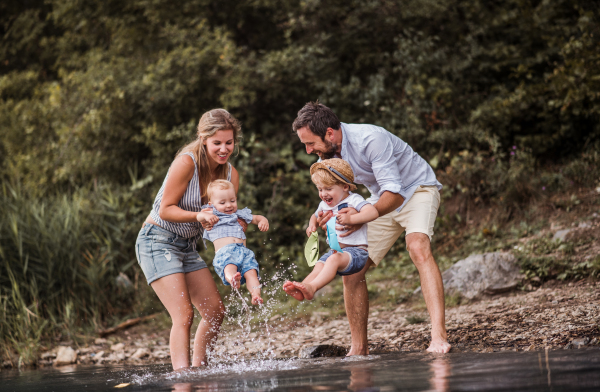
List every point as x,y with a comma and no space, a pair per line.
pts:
558,316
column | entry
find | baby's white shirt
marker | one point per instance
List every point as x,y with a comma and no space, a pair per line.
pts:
359,237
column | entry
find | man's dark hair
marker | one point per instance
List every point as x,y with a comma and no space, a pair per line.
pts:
317,117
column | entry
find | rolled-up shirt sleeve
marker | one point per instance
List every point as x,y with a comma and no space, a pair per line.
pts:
380,154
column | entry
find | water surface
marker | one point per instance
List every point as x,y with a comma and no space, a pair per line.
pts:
568,370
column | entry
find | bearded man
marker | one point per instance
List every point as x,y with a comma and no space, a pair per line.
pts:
405,192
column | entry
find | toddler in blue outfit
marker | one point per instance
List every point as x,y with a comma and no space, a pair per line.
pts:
234,263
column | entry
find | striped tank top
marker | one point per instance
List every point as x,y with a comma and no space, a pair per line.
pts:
190,201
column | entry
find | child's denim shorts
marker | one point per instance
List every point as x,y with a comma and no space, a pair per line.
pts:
358,259
238,255
161,252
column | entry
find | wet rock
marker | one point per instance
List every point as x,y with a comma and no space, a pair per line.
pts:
322,350
580,342
117,347
100,341
140,353
561,234
48,355
488,273
65,356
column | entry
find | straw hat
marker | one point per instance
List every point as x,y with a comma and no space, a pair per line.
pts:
338,168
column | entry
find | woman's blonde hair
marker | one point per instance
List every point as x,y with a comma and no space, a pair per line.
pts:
210,123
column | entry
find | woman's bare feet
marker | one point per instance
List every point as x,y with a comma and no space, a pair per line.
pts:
306,289
439,346
292,291
234,280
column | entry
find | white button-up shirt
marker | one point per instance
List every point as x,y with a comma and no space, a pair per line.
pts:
383,162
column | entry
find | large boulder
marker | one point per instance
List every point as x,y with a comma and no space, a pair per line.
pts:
488,273
65,356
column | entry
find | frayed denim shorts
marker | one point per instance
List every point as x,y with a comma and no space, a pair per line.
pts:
161,252
238,255
358,259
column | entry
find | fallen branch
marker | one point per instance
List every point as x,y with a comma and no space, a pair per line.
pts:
126,324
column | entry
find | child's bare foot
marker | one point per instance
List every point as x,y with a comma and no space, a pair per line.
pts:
292,291
306,289
256,299
234,280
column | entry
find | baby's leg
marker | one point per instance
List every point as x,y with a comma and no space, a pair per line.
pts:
336,262
232,275
292,291
253,286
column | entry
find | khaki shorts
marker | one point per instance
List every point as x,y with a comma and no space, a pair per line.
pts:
417,216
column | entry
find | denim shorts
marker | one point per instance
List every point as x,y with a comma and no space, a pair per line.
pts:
161,252
358,259
238,255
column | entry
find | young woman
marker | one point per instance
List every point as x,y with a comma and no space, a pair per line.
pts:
166,245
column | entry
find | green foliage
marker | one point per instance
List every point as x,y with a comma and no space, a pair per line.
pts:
544,259
65,265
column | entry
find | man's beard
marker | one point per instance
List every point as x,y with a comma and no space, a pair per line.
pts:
331,150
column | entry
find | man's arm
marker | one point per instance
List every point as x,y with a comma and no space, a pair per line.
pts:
388,202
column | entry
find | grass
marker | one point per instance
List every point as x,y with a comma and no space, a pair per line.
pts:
59,258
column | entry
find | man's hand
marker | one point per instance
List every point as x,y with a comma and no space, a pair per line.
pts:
343,216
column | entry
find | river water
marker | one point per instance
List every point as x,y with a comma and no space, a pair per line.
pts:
565,370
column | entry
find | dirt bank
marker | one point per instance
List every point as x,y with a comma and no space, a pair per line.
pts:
558,316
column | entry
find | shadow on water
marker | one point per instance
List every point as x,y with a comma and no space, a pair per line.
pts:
573,370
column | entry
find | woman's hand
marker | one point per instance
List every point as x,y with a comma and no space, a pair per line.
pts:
243,223
207,218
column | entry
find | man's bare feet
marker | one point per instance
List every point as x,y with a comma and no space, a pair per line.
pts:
358,351
234,280
439,346
306,289
292,291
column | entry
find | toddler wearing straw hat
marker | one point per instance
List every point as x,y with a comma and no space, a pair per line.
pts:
334,180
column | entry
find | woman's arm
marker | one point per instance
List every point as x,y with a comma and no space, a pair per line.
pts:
235,179
180,174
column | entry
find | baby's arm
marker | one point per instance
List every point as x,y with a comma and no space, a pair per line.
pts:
367,214
261,222
312,225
